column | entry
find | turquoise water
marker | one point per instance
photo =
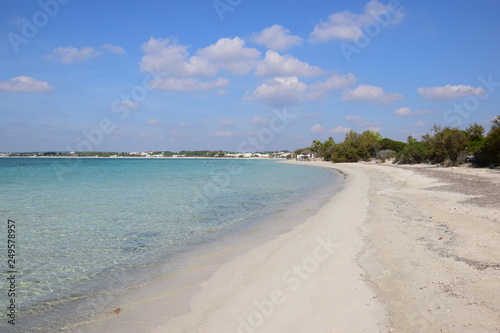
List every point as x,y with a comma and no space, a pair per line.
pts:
80,223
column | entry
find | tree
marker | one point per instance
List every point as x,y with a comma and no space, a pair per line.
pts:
388,144
489,154
317,147
321,149
369,145
448,144
414,152
327,148
496,122
475,134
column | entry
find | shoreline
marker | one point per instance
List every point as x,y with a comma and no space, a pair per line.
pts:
391,252
174,290
88,301
289,273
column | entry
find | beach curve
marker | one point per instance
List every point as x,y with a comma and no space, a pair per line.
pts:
388,253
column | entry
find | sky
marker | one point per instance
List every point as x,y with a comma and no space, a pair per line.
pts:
241,75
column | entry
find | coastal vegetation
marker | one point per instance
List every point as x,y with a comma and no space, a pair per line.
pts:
449,146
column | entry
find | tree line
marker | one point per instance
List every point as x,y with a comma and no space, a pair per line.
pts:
449,146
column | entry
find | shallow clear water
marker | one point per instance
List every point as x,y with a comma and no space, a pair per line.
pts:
81,221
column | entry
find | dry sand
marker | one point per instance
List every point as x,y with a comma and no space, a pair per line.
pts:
397,250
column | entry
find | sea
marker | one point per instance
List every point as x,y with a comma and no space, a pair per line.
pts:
86,229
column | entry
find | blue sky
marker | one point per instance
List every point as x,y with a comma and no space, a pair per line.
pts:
241,75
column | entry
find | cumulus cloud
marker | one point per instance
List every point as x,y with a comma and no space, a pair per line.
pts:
406,111
276,38
187,84
231,55
25,84
70,54
125,105
171,59
177,70
317,129
340,129
419,124
349,26
368,93
319,89
280,92
275,64
449,92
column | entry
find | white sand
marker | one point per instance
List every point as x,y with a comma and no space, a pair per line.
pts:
384,254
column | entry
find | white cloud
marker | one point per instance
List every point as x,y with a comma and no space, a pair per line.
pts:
260,121
340,129
231,55
25,84
178,70
70,54
187,84
113,49
276,38
224,134
275,64
126,105
317,129
368,93
449,92
280,92
170,59
349,26
406,111
318,90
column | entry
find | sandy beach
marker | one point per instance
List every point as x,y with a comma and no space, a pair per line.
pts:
398,249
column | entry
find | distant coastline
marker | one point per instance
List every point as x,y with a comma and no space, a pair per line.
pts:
153,154
149,158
